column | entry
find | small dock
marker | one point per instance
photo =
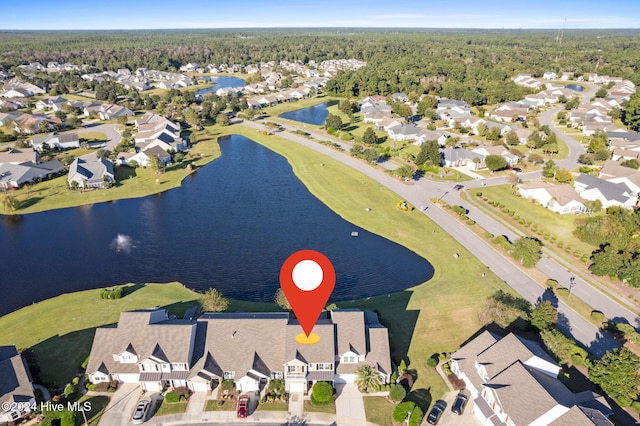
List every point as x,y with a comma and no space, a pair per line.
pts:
354,233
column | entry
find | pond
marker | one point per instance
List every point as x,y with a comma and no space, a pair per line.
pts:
575,87
315,115
230,226
221,83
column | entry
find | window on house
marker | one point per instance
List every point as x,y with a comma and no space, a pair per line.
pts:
277,374
349,359
324,366
295,369
229,375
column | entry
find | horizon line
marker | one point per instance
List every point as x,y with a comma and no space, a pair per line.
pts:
553,28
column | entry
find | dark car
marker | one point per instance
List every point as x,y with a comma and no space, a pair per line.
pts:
140,415
459,403
458,187
517,169
436,412
243,406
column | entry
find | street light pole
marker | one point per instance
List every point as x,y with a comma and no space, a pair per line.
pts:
572,283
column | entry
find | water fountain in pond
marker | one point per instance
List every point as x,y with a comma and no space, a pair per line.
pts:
123,243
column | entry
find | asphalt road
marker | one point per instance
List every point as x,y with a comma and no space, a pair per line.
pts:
113,137
422,191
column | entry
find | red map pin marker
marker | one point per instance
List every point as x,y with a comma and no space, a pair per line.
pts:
307,279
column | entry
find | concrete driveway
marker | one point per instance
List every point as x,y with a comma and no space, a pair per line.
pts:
451,419
349,405
120,408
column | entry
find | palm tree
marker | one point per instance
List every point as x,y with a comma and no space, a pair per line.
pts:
367,379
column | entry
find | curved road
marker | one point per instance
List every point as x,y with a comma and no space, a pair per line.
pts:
422,191
113,137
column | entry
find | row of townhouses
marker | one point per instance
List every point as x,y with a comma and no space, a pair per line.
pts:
150,348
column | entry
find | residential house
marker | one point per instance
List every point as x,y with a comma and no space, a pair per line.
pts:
404,132
431,135
561,199
55,141
16,390
614,172
12,104
527,80
155,130
110,112
91,174
15,175
507,111
399,97
16,92
485,150
149,348
143,156
512,381
460,157
608,193
51,102
566,76
550,75
145,347
19,156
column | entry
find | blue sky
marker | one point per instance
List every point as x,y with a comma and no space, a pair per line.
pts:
144,14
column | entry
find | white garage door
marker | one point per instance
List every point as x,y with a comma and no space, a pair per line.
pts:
296,387
344,378
200,387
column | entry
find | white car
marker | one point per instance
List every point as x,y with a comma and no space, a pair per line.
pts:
140,415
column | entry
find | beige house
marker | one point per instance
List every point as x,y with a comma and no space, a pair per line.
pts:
512,381
149,348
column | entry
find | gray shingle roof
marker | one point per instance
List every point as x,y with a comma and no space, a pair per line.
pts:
350,327
150,332
15,382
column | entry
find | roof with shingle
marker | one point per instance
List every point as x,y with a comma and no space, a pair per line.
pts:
350,330
150,332
15,382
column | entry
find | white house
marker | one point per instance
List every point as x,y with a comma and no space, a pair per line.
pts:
561,199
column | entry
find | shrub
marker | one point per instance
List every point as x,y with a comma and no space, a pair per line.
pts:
562,292
321,394
560,244
112,293
459,210
511,213
597,316
397,393
432,362
478,193
624,401
402,410
471,222
416,417
635,406
75,381
226,384
584,259
69,390
576,359
552,283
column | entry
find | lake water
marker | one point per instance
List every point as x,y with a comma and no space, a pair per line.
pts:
575,87
315,115
221,83
230,226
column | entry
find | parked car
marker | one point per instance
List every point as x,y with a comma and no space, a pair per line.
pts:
436,412
459,403
140,415
243,406
458,187
517,169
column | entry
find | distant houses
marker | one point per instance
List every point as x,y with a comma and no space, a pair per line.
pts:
17,399
20,166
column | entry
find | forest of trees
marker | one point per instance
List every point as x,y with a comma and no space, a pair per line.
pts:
475,65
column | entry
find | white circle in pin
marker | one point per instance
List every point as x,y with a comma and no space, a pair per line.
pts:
307,275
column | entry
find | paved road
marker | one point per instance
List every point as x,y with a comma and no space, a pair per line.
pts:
113,137
422,191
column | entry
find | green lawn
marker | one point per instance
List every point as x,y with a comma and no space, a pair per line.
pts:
60,330
132,183
442,313
171,408
98,404
272,406
329,408
91,137
559,225
378,410
227,405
